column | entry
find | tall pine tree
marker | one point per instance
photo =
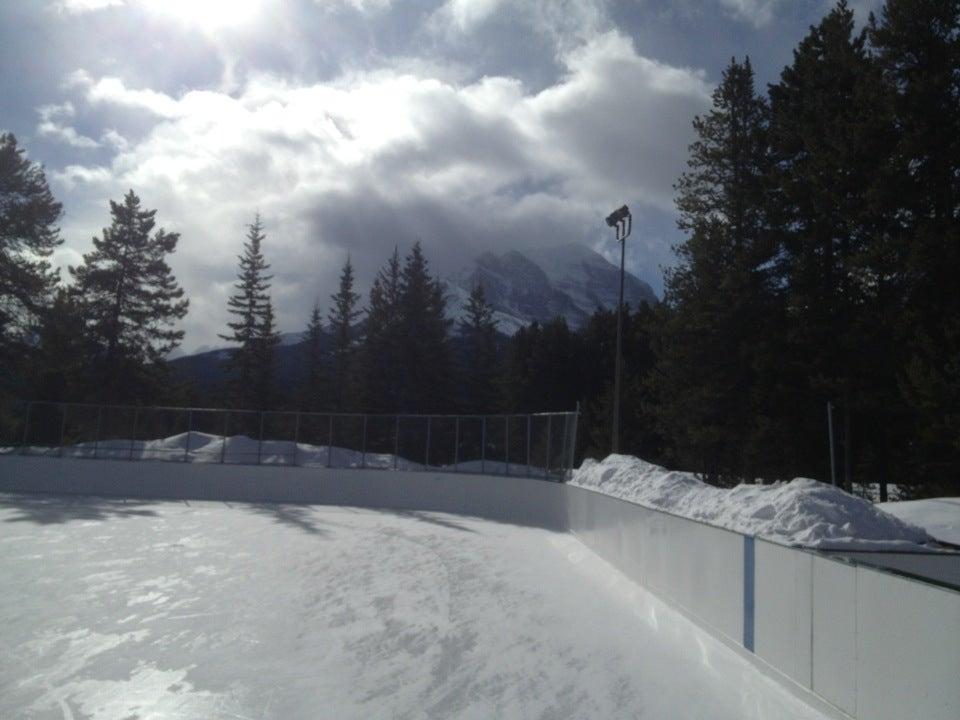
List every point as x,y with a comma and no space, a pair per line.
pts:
28,235
425,360
478,366
248,305
719,296
379,352
917,44
131,301
342,318
265,394
313,395
830,139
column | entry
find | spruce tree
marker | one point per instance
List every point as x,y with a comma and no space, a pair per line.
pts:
424,351
379,351
478,366
718,297
831,133
131,301
917,45
63,352
342,318
248,305
28,235
264,346
314,390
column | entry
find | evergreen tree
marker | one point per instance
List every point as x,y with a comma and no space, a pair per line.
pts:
248,305
28,235
718,299
639,434
314,395
342,318
63,352
131,300
831,130
544,368
917,44
424,344
380,349
479,361
264,345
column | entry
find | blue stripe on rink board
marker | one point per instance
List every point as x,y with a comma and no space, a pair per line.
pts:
748,592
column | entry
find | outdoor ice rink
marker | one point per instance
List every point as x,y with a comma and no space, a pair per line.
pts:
144,610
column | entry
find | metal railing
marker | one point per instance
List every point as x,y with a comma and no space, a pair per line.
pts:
537,444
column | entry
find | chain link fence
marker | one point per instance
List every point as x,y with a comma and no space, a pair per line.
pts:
535,445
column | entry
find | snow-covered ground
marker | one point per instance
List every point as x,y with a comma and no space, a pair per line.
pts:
801,512
938,516
113,609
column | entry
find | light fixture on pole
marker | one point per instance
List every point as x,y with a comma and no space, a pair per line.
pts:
622,221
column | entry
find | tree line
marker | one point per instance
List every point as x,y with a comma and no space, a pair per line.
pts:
819,265
821,262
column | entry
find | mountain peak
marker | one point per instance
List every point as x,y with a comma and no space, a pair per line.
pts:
539,284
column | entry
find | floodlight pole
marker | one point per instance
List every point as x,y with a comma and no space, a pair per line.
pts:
622,221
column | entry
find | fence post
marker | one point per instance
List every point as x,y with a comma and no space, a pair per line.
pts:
529,458
506,444
330,441
483,446
363,444
26,426
456,446
133,440
260,441
426,457
573,445
549,434
396,442
833,468
96,439
296,441
226,429
563,452
63,426
186,445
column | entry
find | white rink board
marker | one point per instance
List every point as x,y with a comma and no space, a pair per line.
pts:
834,633
917,656
783,610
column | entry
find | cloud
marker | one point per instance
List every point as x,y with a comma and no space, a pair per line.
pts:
756,12
52,125
76,7
112,91
465,14
565,23
369,160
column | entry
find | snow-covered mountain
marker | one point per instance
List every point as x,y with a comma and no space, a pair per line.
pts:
569,280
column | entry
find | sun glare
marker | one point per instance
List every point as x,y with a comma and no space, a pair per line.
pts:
208,14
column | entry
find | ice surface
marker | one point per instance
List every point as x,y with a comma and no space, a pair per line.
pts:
113,609
800,512
938,516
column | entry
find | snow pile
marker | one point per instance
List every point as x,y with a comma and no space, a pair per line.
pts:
938,516
801,512
200,447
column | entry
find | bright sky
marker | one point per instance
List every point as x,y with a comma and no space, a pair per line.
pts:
357,125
